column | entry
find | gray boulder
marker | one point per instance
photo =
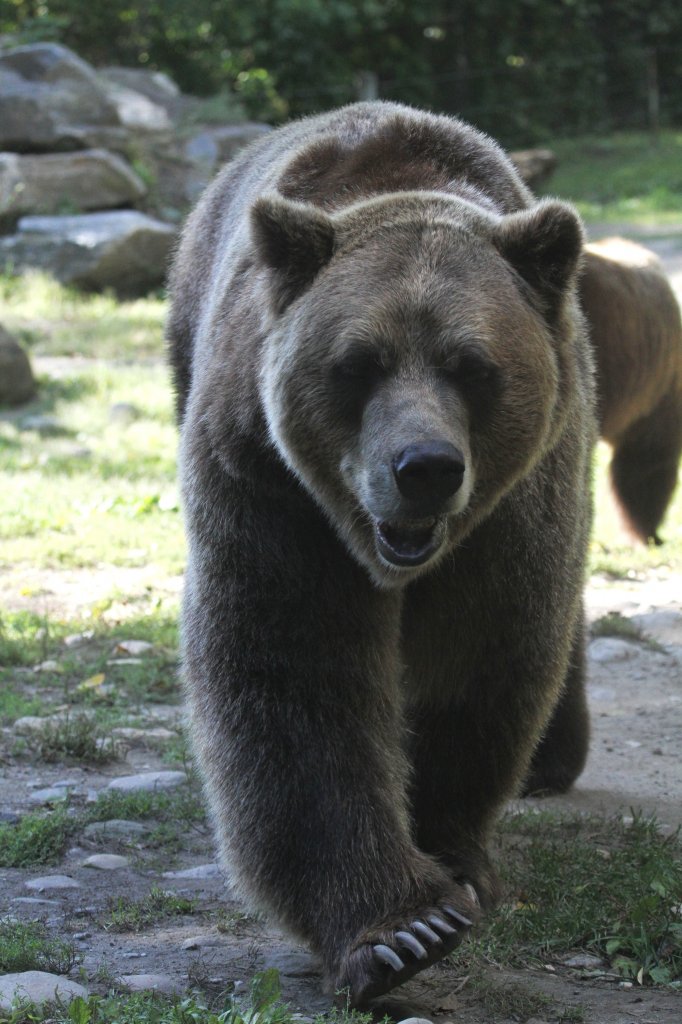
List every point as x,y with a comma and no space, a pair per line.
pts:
136,111
123,250
207,150
536,166
48,97
89,179
17,383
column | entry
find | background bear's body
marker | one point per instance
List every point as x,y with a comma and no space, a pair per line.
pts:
386,396
634,322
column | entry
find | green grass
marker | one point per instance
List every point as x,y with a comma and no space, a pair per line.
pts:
51,319
128,915
36,839
40,839
607,887
28,946
624,177
262,1005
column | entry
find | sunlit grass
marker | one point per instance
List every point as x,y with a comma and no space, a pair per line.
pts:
623,177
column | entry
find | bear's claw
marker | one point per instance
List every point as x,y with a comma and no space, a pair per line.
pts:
408,940
389,956
378,968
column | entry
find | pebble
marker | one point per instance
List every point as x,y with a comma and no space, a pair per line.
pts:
48,666
141,736
49,795
200,871
148,781
134,647
293,965
78,639
585,961
106,862
162,983
115,828
52,882
9,818
43,424
38,987
35,901
203,942
416,1020
609,648
121,414
34,723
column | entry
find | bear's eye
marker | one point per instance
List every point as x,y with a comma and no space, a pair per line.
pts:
470,369
358,366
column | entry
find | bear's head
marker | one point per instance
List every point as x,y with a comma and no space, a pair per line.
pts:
419,360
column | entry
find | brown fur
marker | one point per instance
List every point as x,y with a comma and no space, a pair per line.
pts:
370,658
636,333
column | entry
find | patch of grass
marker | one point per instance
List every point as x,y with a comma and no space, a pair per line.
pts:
509,999
624,177
28,946
127,915
608,887
182,806
36,839
15,704
56,320
73,738
615,624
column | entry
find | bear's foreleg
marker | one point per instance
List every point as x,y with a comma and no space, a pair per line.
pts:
293,682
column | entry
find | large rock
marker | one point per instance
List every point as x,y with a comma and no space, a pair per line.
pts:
137,111
536,166
37,987
48,97
91,179
123,250
17,383
156,86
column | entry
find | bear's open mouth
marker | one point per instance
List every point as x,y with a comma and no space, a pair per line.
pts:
410,542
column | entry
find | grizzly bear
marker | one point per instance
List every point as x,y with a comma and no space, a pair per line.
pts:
386,402
634,322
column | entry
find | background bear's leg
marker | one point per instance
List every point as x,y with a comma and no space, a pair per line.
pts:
645,465
561,754
472,753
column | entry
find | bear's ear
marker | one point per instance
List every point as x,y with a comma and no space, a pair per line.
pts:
544,245
295,240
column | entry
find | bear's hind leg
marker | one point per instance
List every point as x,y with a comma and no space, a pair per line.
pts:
560,755
644,467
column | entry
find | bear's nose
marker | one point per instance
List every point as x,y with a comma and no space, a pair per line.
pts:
432,470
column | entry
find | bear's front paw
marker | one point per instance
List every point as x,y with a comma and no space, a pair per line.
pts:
390,954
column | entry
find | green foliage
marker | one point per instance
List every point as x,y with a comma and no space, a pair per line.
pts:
519,70
27,946
36,839
128,915
613,888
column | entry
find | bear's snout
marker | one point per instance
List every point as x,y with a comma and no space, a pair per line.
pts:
431,471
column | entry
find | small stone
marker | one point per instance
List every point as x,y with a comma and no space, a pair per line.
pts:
148,781
200,871
293,965
115,828
48,666
203,942
17,383
141,736
9,818
106,862
32,901
52,882
48,426
121,414
78,639
134,647
608,648
50,795
415,1020
162,983
585,961
38,987
82,936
